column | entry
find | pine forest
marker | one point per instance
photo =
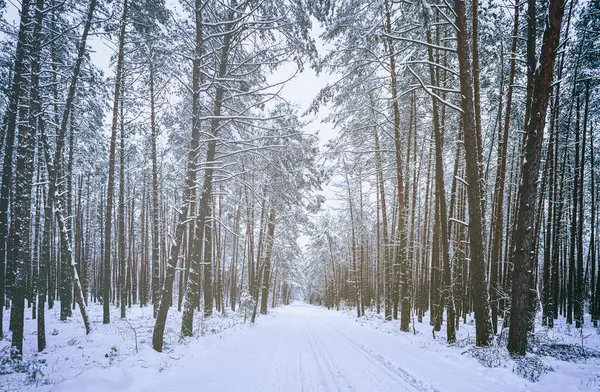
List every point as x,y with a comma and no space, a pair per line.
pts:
310,195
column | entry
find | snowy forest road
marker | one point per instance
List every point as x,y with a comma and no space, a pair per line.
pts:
304,348
309,349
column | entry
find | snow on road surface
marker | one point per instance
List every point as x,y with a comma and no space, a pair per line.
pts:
305,349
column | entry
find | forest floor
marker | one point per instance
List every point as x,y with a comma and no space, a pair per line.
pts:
296,348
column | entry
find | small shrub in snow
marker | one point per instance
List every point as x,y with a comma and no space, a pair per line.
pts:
531,368
246,305
130,333
464,338
32,367
565,352
543,344
491,356
200,328
593,381
72,342
502,339
112,355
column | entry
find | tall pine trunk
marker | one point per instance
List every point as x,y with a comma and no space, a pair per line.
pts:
524,241
478,276
121,210
404,271
192,293
267,271
10,124
498,209
110,189
156,289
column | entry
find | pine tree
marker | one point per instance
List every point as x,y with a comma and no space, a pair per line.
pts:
110,190
524,233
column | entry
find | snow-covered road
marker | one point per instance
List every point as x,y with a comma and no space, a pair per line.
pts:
310,349
303,349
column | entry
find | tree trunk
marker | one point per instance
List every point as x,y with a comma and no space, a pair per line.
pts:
477,96
478,270
579,280
192,293
267,272
521,256
52,167
401,227
353,249
498,208
384,230
207,261
547,318
156,289
595,298
110,190
121,209
19,248
572,283
447,298
10,124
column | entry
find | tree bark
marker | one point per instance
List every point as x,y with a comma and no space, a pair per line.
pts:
156,289
521,257
579,280
110,190
404,273
192,293
478,270
498,209
10,124
267,272
384,229
446,299
121,209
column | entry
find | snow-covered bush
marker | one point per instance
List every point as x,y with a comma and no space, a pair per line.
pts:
531,368
112,355
30,366
492,356
593,381
565,352
556,346
246,305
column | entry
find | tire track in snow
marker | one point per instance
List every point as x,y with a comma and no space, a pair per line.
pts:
306,377
361,372
387,365
324,361
319,356
275,376
301,372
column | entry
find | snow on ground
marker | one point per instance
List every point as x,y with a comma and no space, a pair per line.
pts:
297,348
109,348
565,342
